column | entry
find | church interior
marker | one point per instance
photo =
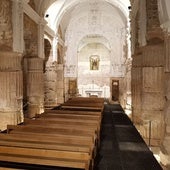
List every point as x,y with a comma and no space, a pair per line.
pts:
74,53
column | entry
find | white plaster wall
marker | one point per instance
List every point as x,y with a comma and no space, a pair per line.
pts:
106,22
94,81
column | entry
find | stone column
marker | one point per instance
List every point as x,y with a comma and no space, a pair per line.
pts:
41,26
51,74
128,107
153,93
51,84
136,88
35,86
147,92
17,24
165,151
11,89
54,48
60,83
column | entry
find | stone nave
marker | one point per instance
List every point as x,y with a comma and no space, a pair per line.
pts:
119,50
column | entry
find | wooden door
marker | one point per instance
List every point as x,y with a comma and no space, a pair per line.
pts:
115,90
72,87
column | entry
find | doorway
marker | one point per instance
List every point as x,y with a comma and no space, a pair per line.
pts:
115,90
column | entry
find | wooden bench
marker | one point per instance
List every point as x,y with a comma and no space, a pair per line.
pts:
75,112
77,107
87,100
63,121
47,123
48,142
51,130
63,114
49,139
45,157
83,103
57,137
43,145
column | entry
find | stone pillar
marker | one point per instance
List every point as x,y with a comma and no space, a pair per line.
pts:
128,107
153,93
6,32
11,89
148,93
165,150
54,48
35,86
17,24
136,88
60,83
51,84
41,26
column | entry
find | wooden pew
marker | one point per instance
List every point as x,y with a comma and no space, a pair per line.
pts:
63,139
60,115
49,139
75,112
78,107
87,99
83,103
63,121
29,141
51,130
45,157
43,145
63,114
47,123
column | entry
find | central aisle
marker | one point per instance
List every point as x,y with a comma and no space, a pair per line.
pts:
122,147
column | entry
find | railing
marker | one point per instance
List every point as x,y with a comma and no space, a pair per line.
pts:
150,130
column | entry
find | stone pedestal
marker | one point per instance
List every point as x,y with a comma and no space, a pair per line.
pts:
11,91
35,86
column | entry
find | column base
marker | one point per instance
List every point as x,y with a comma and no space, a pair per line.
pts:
33,110
10,118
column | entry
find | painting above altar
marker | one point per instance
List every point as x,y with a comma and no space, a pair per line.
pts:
94,62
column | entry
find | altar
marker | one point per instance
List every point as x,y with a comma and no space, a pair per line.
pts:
97,93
